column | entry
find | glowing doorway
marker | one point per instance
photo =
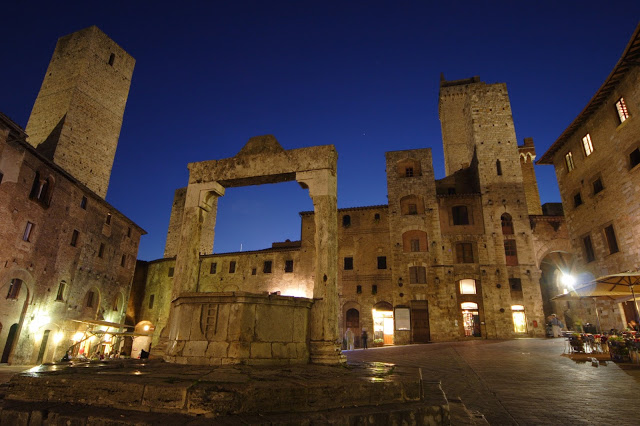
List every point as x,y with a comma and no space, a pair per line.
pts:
519,319
383,323
470,319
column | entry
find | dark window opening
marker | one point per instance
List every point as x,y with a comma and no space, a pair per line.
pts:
577,200
359,289
417,275
515,284
108,219
376,216
412,208
507,224
374,289
597,186
382,262
511,252
91,295
415,245
112,58
1,176
408,172
172,271
14,288
612,242
61,287
588,249
232,267
101,250
346,220
288,266
123,260
213,268
348,263
460,215
74,238
151,300
267,267
129,232
40,190
451,191
634,158
464,252
254,271
498,167
83,203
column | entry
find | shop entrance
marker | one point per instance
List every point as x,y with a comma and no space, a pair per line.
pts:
470,319
519,319
383,323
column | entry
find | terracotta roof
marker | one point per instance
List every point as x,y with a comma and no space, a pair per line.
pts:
630,58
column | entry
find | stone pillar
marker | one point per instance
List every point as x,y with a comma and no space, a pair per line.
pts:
196,234
324,345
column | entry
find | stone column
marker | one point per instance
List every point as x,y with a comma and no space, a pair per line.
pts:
199,215
324,345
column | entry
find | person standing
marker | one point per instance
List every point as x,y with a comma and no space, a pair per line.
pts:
556,326
349,337
364,338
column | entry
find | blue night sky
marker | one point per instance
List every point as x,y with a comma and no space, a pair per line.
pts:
363,76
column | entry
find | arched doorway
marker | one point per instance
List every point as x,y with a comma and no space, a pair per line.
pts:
383,323
352,319
553,267
8,346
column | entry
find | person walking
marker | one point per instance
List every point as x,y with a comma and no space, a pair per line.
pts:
556,326
364,338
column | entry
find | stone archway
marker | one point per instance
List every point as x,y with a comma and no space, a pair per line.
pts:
262,160
552,266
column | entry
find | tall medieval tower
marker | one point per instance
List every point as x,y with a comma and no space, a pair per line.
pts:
77,116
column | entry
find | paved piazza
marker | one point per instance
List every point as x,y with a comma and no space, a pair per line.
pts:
524,381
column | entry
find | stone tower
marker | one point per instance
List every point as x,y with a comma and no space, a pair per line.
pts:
77,116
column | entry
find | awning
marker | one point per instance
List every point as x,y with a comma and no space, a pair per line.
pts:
104,323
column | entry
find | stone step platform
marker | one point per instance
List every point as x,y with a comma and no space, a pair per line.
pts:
154,392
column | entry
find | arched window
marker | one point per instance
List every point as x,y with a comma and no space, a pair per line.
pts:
460,215
346,220
414,241
507,224
352,318
41,189
409,168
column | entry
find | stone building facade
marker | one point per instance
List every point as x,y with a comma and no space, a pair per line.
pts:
66,255
597,164
447,259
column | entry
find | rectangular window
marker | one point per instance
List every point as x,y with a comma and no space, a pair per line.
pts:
568,159
621,107
267,267
467,286
213,268
597,186
634,158
61,287
172,271
232,267
123,260
83,203
112,58
413,208
587,145
417,275
516,285
460,215
288,266
464,252
254,271
510,252
577,200
101,250
108,219
588,249
348,263
359,289
415,245
612,242
129,232
498,167
408,172
14,288
1,176
382,262
151,300
374,289
74,238
27,232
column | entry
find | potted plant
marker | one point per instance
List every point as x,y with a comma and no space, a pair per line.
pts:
618,350
378,342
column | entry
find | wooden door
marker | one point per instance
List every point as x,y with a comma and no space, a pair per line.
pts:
420,325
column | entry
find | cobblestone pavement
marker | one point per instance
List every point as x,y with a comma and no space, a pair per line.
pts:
524,381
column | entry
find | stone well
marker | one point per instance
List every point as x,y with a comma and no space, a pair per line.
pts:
240,328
